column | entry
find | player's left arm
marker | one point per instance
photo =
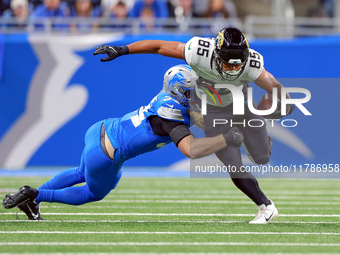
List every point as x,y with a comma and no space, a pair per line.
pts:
267,81
200,147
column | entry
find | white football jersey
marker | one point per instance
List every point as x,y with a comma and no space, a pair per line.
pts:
199,55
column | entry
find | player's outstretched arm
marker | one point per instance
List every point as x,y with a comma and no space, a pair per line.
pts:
201,147
165,48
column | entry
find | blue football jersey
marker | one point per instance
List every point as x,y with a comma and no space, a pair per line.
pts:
133,134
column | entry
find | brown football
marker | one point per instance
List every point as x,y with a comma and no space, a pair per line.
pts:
265,102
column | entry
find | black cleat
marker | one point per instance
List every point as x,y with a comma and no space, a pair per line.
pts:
24,194
31,209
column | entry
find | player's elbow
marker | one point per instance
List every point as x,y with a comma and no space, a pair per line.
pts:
194,155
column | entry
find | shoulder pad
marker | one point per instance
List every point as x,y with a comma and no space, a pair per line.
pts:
190,49
169,108
254,65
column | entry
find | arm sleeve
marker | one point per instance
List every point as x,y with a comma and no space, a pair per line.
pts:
178,133
175,129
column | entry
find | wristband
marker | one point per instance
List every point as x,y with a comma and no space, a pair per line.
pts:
124,50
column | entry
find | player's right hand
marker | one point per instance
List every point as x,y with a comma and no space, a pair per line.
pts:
112,52
234,137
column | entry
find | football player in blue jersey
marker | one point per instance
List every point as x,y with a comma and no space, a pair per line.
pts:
110,142
225,59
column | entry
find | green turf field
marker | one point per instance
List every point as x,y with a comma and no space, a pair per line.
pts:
158,216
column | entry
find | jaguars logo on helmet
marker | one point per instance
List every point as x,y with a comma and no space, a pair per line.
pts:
245,37
220,39
231,47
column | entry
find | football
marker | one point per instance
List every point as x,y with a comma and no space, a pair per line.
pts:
266,102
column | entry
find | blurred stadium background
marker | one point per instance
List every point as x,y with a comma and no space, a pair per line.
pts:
52,88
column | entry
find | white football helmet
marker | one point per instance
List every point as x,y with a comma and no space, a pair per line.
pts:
178,81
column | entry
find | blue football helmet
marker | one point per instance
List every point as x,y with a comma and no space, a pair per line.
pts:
178,82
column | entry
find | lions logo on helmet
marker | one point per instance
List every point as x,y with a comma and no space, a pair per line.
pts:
177,83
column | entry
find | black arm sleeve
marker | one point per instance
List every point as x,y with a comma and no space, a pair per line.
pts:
163,127
178,133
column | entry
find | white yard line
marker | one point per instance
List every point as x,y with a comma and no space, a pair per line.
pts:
214,196
165,233
47,205
185,214
292,193
143,201
167,221
165,244
162,253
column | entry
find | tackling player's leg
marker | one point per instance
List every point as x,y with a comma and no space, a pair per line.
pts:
98,170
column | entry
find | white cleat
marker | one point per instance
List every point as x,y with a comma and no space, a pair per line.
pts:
265,214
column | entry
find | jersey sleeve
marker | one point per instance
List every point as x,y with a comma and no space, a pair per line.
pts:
169,108
190,49
254,66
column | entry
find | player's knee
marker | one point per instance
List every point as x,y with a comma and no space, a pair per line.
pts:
97,196
262,160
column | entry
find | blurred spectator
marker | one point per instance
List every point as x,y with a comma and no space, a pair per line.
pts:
181,9
52,8
84,9
214,8
4,5
106,5
116,14
328,7
118,10
35,3
158,7
221,8
70,3
147,17
316,12
18,12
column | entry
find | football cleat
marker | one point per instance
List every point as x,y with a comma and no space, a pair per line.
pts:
25,194
265,214
31,209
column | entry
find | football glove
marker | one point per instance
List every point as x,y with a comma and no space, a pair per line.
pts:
111,51
234,137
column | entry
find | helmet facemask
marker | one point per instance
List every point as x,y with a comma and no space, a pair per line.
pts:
179,82
231,48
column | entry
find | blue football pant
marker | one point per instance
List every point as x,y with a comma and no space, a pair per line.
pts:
98,171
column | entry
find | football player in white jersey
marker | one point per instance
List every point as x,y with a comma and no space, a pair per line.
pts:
226,59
